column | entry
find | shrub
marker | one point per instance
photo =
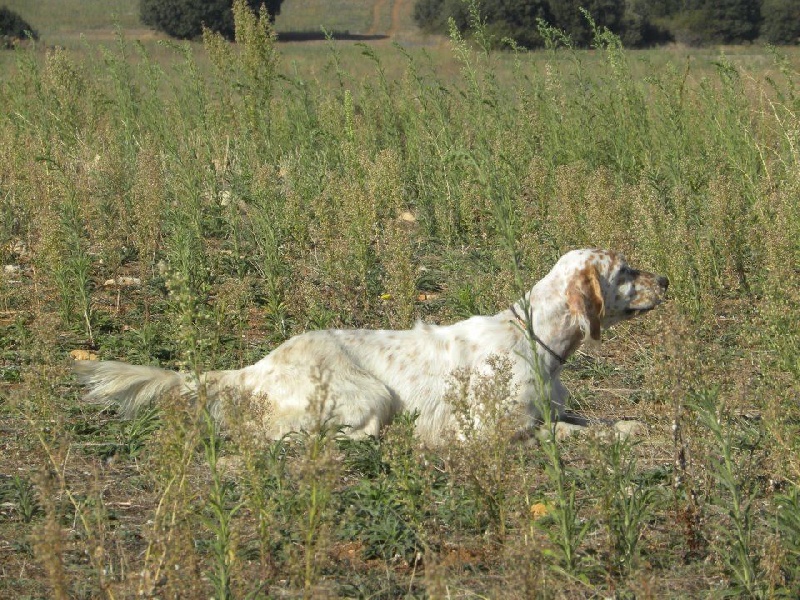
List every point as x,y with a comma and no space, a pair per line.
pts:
605,13
734,21
781,21
12,26
185,19
520,20
690,27
432,15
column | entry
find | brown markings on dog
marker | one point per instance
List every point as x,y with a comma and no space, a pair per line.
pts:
585,299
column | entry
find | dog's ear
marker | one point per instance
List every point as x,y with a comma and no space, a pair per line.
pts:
585,301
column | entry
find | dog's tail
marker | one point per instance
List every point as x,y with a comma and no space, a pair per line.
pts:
132,387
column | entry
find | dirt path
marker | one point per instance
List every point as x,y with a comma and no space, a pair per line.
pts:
397,10
377,9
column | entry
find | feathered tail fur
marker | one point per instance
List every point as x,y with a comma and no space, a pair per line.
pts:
132,387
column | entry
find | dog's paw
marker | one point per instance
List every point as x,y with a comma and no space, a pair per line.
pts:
563,430
629,429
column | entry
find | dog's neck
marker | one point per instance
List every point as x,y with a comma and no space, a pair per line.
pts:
556,336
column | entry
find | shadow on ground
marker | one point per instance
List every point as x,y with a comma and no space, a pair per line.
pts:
315,36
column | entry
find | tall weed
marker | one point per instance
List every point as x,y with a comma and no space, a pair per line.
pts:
255,197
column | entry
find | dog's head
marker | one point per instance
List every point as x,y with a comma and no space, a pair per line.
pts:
601,289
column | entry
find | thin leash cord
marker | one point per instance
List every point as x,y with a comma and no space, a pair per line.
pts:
528,326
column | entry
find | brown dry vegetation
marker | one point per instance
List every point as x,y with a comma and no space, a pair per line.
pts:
195,208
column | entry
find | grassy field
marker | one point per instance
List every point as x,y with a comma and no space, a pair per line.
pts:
193,205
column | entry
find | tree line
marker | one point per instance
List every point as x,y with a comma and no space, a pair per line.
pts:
185,19
14,27
639,23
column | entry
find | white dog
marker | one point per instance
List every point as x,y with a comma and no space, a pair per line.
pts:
368,376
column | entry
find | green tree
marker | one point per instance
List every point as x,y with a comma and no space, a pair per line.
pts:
733,21
691,26
781,23
662,8
638,31
13,26
184,19
433,15
518,19
605,13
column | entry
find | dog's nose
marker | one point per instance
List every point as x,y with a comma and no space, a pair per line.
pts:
663,281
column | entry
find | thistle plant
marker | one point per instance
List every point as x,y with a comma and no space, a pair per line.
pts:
570,529
739,554
627,501
223,508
